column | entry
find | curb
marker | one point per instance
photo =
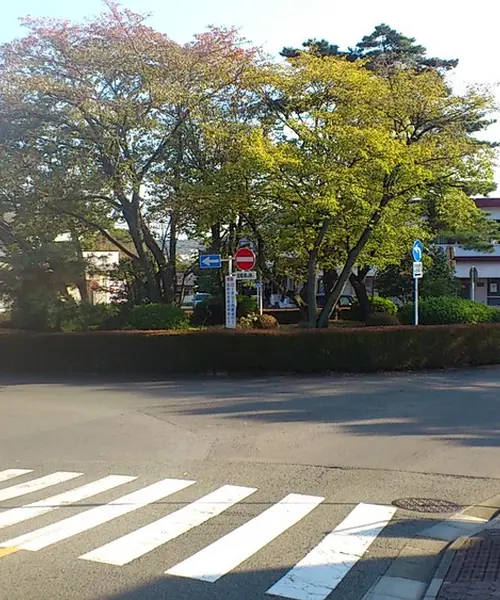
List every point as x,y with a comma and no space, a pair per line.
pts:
418,572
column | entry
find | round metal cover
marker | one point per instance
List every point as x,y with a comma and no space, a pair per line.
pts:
426,505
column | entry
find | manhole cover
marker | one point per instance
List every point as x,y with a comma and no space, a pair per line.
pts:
426,505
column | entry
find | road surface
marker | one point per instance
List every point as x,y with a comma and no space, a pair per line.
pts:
241,489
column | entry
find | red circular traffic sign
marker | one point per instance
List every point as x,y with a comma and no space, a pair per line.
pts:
245,259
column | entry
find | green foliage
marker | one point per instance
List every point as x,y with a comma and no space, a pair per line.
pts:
209,312
383,48
383,305
381,319
378,305
439,278
212,312
157,316
445,310
89,317
298,351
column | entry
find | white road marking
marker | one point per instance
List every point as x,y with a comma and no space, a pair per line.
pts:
129,547
11,473
228,552
34,485
321,571
35,509
46,536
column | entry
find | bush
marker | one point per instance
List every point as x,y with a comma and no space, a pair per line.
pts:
212,310
378,305
266,322
381,319
445,310
298,351
157,316
209,312
88,317
383,305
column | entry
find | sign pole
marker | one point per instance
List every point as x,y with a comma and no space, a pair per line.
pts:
416,300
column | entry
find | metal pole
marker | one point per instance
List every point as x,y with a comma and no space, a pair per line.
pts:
416,300
261,297
472,284
230,265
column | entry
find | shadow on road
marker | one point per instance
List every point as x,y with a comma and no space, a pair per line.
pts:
460,407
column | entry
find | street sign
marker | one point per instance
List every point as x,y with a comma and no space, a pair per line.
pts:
418,270
245,259
210,261
417,251
231,302
246,275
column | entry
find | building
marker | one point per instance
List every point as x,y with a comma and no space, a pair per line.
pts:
486,266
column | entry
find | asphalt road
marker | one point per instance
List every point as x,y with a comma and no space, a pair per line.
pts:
291,457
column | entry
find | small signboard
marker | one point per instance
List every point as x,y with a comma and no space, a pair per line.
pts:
246,275
418,270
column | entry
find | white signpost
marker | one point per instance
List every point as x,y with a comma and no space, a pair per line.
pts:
231,302
418,270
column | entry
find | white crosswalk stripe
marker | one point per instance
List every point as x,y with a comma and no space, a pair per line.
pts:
11,473
228,552
35,509
139,542
320,572
314,577
34,485
46,536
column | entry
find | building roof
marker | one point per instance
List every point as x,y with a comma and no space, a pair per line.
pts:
487,202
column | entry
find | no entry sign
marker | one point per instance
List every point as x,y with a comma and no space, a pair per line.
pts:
245,259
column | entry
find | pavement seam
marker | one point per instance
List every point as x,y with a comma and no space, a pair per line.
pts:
451,533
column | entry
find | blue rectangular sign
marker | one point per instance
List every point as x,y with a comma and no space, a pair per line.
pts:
210,261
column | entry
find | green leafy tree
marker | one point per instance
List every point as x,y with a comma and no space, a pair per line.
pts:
355,154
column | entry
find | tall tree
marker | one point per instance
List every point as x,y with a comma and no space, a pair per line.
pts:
96,115
356,155
383,50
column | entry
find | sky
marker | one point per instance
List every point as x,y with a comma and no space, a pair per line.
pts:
447,28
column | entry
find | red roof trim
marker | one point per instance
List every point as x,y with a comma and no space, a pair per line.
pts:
487,202
473,259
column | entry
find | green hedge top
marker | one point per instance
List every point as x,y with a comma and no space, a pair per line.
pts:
300,351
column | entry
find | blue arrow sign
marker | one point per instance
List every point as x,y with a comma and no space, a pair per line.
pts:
210,261
417,251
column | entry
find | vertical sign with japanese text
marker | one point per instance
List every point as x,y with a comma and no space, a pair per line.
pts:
231,302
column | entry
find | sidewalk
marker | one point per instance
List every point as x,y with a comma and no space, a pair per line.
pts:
474,572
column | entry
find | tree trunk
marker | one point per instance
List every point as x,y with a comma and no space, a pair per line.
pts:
312,305
358,283
81,281
352,257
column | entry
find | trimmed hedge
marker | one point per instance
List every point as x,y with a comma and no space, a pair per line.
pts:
444,310
300,351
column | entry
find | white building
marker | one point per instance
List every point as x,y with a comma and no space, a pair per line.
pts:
487,265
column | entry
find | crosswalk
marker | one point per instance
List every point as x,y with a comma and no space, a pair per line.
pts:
314,577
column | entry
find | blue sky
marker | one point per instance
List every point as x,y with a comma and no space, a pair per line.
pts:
448,28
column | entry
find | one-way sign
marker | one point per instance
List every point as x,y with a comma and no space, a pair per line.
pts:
210,261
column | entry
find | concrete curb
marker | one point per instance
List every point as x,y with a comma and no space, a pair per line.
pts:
487,511
418,571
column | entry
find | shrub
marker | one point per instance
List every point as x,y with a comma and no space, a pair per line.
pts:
381,319
211,351
157,316
446,310
266,322
209,312
212,310
378,305
383,305
88,317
